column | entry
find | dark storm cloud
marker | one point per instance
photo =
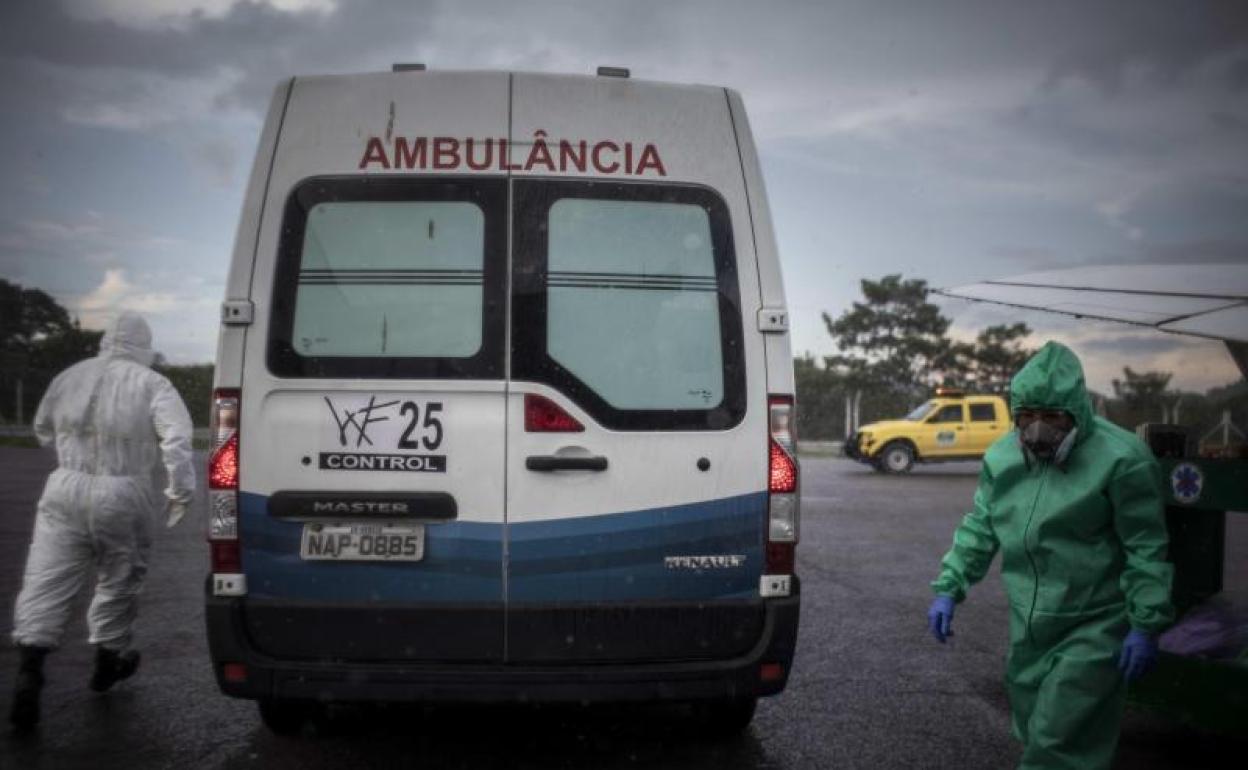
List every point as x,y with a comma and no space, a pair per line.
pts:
1198,252
1239,73
1062,120
1025,259
858,43
1167,39
956,141
261,42
45,31
1133,344
1016,260
1208,209
1229,122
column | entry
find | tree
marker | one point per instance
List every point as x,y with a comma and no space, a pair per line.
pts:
27,315
1144,395
997,355
820,400
894,340
57,351
37,340
194,385
1141,389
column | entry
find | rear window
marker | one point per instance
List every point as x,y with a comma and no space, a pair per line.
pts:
626,301
390,278
642,275
983,413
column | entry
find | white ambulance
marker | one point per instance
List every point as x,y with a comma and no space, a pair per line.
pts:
503,401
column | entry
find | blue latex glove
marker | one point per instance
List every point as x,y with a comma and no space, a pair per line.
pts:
940,618
1139,655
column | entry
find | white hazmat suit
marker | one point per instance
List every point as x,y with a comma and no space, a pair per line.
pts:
114,421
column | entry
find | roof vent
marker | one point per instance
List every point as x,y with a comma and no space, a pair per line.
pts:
407,67
613,72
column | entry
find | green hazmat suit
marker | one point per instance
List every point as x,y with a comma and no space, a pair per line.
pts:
1083,557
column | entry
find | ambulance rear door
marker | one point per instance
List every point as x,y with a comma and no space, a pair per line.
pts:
372,407
637,418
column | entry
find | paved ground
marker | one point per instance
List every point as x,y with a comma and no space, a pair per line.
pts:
870,689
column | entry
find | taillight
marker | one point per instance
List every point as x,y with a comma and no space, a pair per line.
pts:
234,673
771,672
223,468
541,415
227,569
223,422
782,473
225,558
782,502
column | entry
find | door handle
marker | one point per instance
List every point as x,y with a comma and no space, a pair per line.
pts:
547,463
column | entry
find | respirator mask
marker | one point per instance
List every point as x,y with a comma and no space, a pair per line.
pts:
1046,443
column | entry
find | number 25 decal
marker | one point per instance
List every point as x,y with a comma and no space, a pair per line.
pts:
431,422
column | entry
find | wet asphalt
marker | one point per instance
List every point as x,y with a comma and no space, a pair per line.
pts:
869,688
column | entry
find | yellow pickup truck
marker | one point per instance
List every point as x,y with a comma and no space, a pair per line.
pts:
952,426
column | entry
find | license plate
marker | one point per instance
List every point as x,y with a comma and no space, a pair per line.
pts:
363,542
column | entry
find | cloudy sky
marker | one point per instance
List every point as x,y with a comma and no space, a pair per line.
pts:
953,141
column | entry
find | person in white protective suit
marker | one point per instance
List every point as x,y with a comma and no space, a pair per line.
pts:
114,422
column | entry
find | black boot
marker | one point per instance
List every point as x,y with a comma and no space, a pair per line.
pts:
111,667
25,713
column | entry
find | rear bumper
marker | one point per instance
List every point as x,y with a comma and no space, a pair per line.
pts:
339,680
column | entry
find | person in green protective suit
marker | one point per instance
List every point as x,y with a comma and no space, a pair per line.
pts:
1075,505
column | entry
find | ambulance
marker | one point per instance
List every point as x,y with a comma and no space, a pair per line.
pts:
504,400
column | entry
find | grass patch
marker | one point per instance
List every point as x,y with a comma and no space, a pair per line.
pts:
819,448
26,442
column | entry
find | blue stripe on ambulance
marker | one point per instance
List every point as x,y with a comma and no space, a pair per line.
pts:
621,556
610,557
463,564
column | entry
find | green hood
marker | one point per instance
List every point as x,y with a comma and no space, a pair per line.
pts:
1053,379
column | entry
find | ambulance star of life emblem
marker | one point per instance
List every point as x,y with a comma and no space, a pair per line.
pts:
1186,481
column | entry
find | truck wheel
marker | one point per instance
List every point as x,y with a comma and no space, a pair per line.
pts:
897,458
726,717
285,717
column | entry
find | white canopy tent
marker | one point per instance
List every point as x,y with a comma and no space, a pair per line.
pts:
1201,300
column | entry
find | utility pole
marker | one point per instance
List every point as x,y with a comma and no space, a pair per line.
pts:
853,402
